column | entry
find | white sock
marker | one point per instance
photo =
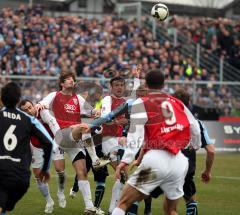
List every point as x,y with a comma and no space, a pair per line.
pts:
118,211
88,143
44,189
116,192
84,187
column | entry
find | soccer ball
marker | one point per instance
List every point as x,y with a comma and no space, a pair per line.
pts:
160,11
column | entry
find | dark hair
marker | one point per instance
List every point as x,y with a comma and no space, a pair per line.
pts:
183,96
154,79
10,95
117,78
23,102
64,75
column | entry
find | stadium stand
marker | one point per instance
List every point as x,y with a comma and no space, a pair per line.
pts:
34,44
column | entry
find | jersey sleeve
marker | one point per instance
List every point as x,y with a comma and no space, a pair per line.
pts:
135,137
85,107
195,133
106,106
205,139
47,116
48,99
45,139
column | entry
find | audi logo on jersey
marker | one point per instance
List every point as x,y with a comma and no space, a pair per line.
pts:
70,107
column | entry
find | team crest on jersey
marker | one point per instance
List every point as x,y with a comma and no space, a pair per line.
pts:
75,101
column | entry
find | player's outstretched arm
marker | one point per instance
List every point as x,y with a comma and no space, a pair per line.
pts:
208,145
206,174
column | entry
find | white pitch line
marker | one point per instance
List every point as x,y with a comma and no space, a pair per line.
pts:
111,176
227,177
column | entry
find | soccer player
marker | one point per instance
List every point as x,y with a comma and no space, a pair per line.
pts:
163,126
66,109
101,174
16,129
37,161
189,185
113,132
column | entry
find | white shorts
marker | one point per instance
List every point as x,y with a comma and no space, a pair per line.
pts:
160,168
110,147
65,141
37,156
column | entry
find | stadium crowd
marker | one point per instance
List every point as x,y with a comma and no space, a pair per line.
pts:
218,36
34,44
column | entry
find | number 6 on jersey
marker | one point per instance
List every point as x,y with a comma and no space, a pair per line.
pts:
10,139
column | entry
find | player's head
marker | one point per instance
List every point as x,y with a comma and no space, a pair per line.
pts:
28,107
154,80
117,85
10,95
183,96
67,80
141,91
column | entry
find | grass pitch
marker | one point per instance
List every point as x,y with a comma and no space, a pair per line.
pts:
220,197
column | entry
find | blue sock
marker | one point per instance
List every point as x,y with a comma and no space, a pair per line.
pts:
133,209
99,192
191,208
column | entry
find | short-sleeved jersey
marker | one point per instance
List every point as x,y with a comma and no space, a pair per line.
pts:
110,103
160,122
66,109
167,126
16,128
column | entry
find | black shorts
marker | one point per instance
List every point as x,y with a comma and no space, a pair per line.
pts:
101,174
189,187
11,192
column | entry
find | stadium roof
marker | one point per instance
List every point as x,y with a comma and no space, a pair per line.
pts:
200,3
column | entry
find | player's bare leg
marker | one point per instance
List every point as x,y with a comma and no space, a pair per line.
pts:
60,170
128,197
170,206
44,189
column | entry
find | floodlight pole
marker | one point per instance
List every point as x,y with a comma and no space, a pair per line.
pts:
30,3
139,14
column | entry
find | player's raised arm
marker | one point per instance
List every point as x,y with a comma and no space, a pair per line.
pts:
136,81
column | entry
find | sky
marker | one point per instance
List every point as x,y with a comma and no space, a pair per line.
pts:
211,3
